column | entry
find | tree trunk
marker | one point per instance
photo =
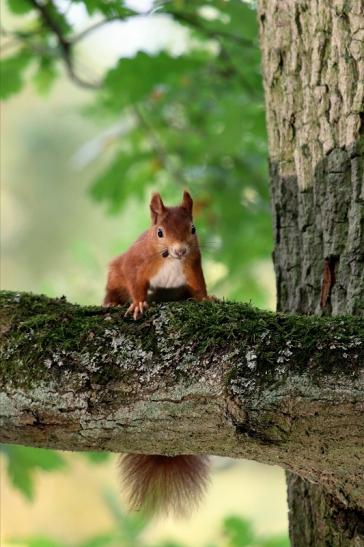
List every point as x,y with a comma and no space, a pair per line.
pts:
313,63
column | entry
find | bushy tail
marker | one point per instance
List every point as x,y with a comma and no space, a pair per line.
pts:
164,484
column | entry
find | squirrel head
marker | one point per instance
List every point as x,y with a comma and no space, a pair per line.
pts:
172,227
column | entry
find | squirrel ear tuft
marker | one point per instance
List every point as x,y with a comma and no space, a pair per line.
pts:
187,202
157,207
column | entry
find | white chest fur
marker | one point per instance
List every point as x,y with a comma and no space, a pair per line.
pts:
170,275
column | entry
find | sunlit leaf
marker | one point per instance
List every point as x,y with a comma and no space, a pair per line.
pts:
127,174
11,72
97,457
111,8
279,541
129,525
34,541
136,79
23,461
19,7
238,531
100,541
45,75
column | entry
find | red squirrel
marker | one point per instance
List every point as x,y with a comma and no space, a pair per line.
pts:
167,256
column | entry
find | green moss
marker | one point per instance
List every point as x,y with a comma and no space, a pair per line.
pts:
50,336
278,344
43,336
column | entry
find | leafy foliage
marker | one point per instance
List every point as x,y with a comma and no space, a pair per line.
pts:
123,86
45,75
130,531
111,8
97,457
198,121
19,7
11,72
22,462
240,533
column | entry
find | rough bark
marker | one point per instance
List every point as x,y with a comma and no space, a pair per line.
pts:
211,378
313,63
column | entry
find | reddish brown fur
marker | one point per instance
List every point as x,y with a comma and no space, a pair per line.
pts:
163,484
131,272
160,483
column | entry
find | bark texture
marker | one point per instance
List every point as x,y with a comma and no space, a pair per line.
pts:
313,63
210,378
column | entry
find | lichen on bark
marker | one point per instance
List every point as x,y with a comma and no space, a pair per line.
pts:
314,80
212,378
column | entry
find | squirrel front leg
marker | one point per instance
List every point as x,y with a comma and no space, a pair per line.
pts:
138,290
117,293
196,281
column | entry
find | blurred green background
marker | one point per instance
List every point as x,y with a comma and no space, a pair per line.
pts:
166,95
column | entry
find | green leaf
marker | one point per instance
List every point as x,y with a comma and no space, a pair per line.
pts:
100,541
143,76
19,7
45,75
55,12
34,541
128,174
11,73
129,526
238,531
111,8
275,541
23,461
97,457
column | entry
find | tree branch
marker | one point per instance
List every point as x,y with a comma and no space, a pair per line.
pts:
214,378
196,22
65,45
183,18
96,26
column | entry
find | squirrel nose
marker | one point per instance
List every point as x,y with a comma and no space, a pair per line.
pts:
180,250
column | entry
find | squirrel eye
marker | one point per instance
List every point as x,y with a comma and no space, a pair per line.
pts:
193,229
160,232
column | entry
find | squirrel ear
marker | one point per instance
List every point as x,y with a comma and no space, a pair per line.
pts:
187,202
157,207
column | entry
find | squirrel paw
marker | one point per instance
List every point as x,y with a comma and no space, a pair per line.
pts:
137,309
211,298
110,304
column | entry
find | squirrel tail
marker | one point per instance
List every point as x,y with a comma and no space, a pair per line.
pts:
164,484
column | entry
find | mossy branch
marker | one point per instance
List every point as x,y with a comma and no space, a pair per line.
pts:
214,378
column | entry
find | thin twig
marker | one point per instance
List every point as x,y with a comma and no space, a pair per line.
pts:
64,45
96,26
179,16
212,33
